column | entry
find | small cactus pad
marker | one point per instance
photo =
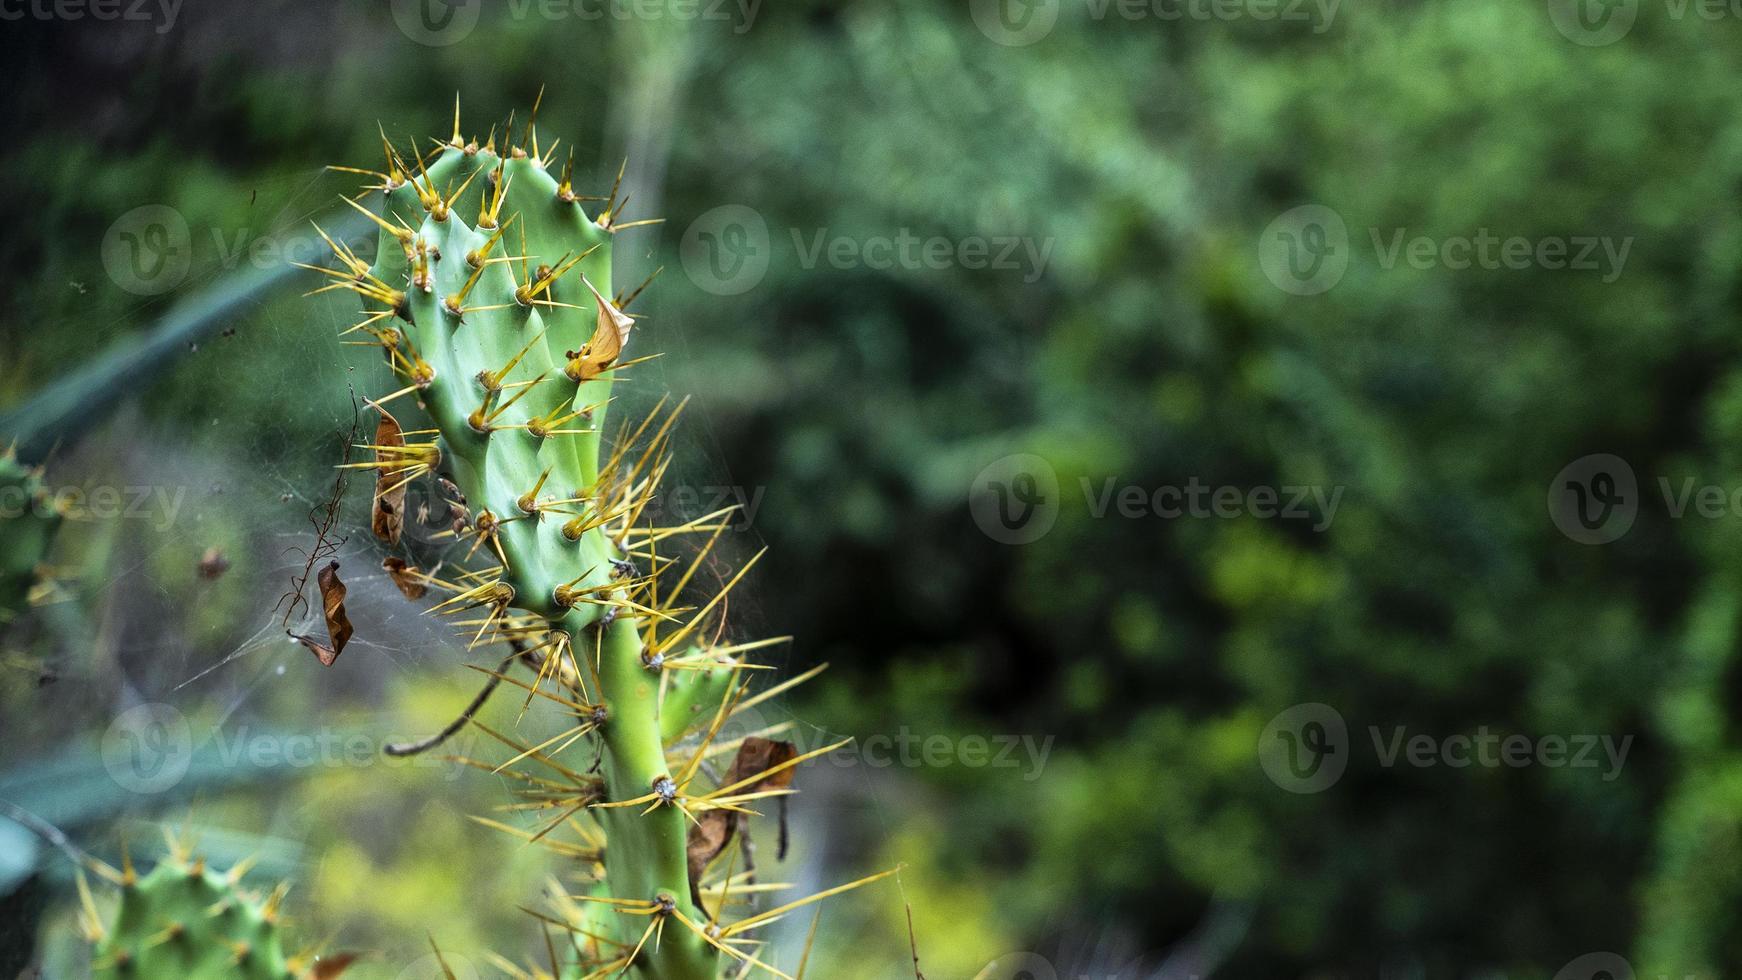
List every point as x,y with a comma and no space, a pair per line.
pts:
28,519
184,921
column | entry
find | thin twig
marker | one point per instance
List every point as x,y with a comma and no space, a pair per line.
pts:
912,943
424,745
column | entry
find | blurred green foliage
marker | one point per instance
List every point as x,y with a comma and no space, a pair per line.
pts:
1150,350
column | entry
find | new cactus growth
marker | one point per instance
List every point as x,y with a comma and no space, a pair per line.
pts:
28,519
491,298
185,921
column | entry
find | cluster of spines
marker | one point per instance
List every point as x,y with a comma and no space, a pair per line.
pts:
186,921
508,335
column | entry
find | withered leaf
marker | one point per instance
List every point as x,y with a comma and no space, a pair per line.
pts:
387,517
338,623
328,967
714,829
758,755
406,577
610,334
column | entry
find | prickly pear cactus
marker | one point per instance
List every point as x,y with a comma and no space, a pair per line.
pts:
491,297
184,921
28,519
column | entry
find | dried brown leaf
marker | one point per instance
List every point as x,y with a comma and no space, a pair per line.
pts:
715,828
610,334
328,967
387,517
338,622
406,577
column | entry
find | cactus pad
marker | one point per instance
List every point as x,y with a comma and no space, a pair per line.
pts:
28,519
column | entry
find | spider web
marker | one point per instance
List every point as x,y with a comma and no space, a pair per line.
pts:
245,479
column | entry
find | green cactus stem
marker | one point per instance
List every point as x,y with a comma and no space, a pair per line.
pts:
28,520
184,921
491,297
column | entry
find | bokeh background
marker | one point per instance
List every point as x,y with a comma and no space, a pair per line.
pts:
1175,252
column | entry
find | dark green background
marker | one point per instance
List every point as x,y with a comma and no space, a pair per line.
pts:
1149,156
